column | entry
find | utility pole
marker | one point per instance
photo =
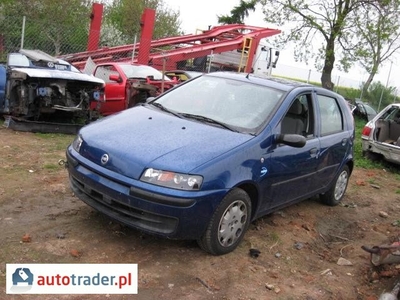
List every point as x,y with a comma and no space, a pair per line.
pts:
387,83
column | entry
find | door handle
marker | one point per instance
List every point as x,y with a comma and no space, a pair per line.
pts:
344,142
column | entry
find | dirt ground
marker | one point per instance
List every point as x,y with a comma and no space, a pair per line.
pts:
300,246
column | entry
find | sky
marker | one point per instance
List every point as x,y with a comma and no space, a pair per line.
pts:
196,15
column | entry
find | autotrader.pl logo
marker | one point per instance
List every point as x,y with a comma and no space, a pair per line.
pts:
22,280
71,278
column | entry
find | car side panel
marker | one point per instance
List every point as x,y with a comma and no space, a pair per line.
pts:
3,80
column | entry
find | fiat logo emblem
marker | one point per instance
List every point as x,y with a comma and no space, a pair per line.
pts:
104,159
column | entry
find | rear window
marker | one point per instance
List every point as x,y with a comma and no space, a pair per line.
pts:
331,115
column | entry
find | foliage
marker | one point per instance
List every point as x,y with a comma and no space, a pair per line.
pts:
124,17
375,36
58,24
363,162
238,13
311,21
359,159
348,93
379,96
60,27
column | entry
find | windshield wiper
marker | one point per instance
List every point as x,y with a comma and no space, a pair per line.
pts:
163,108
208,120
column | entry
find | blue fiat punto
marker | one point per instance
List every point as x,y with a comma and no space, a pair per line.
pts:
206,158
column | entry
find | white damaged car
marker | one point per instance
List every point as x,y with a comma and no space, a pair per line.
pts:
35,85
381,135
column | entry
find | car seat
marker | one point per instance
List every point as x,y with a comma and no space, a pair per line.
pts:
293,122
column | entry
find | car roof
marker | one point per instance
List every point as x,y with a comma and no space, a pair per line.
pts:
273,82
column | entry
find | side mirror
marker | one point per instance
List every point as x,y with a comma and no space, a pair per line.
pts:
115,78
293,140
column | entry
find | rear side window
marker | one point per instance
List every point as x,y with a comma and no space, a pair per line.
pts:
330,115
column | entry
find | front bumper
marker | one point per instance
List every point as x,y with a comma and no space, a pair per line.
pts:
149,208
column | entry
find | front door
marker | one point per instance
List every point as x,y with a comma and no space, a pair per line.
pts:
115,91
291,170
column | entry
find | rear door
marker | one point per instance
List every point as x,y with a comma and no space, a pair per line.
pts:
334,136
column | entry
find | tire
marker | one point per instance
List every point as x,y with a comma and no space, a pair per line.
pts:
372,156
228,224
335,194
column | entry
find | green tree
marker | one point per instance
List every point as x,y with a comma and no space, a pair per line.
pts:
51,26
124,16
323,25
375,36
238,13
380,96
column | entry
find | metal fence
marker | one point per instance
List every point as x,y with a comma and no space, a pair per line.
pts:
55,40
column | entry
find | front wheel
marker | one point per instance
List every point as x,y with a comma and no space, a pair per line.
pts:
228,224
335,194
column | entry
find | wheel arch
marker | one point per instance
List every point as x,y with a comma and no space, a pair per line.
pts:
350,164
253,193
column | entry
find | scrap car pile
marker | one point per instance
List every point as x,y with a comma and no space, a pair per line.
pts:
37,89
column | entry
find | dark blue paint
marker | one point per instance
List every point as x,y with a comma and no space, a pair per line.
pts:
3,80
143,137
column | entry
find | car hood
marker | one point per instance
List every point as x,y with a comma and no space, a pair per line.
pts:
57,74
141,137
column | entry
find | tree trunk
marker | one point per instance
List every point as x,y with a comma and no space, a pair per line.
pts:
326,78
370,77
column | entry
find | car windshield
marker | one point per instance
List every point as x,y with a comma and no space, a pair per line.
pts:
18,60
369,110
134,71
243,106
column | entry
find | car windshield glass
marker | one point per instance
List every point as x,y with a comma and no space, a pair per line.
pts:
243,106
369,109
132,71
18,60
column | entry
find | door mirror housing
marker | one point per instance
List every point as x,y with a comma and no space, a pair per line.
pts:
116,78
293,140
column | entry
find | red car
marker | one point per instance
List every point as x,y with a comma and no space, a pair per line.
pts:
128,84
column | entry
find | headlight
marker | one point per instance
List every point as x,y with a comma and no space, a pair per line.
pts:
172,179
77,143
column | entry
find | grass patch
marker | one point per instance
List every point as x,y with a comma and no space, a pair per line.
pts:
51,167
274,237
59,141
361,161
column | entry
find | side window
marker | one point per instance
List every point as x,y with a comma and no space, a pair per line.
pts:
104,72
330,115
300,118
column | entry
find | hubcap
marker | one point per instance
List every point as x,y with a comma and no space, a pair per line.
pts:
232,223
341,184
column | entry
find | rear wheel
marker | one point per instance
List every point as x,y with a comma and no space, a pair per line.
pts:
335,194
228,224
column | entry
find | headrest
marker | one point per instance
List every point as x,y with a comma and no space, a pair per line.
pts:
296,108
